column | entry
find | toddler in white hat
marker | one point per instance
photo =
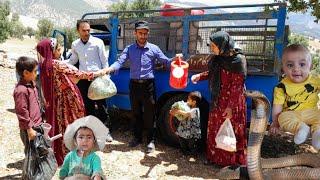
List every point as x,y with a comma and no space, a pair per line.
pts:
83,137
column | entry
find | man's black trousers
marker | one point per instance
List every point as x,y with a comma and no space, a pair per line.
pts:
143,106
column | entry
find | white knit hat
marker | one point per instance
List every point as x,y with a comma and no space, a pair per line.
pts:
99,130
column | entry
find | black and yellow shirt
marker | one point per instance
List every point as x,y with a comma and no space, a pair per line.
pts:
297,96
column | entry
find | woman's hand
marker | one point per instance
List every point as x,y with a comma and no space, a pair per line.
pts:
227,113
195,78
31,134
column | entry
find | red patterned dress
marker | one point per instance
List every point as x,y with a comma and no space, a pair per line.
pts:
231,95
68,105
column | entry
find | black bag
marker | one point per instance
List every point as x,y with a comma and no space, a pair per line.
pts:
40,162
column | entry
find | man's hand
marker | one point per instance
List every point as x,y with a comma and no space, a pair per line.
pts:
274,128
31,134
99,73
108,70
227,113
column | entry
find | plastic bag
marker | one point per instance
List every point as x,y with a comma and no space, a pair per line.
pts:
181,105
40,162
226,138
102,87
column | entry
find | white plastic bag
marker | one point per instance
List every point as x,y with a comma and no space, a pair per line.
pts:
180,105
226,138
102,87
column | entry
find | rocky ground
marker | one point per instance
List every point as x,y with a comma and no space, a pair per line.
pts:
118,160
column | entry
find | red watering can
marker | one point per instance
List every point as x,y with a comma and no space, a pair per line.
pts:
179,73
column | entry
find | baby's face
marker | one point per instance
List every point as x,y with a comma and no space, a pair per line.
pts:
85,139
296,66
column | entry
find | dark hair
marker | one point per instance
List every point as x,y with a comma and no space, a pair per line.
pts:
195,96
83,127
25,63
81,21
296,48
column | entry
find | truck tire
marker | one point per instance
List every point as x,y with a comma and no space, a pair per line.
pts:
167,123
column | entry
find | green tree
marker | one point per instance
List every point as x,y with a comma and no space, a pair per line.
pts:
134,5
17,29
45,27
4,22
30,31
298,39
303,6
72,35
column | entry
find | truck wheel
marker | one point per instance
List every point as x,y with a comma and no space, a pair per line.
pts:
167,124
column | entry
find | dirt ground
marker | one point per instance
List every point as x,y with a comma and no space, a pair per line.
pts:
118,160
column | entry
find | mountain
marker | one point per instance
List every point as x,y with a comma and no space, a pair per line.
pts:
303,24
61,12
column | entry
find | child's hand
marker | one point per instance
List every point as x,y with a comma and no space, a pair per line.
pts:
227,113
274,128
78,177
31,134
173,111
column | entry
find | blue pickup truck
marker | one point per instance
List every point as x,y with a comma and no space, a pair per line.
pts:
259,30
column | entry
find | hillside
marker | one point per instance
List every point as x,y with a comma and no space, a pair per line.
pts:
61,12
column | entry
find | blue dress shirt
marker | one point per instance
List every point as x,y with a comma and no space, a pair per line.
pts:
142,60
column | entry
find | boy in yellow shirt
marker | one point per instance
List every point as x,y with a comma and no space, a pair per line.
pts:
296,96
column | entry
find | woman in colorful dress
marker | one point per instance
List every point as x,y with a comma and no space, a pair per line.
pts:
226,75
62,98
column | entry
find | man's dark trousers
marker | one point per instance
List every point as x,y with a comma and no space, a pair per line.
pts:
93,107
143,104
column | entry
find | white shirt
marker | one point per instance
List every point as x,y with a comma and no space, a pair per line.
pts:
92,56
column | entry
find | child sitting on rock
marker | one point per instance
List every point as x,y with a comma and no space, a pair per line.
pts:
188,114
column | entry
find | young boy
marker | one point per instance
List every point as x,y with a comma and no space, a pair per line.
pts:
26,100
189,131
296,96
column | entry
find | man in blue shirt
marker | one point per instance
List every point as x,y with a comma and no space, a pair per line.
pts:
142,56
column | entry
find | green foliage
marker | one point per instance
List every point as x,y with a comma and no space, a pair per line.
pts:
72,35
315,63
303,6
134,5
4,22
298,39
45,28
17,29
30,32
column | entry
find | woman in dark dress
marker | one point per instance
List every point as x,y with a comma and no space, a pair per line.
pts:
226,75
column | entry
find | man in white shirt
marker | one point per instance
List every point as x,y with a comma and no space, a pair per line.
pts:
90,52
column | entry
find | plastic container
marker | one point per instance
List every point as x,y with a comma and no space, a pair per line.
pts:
179,73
